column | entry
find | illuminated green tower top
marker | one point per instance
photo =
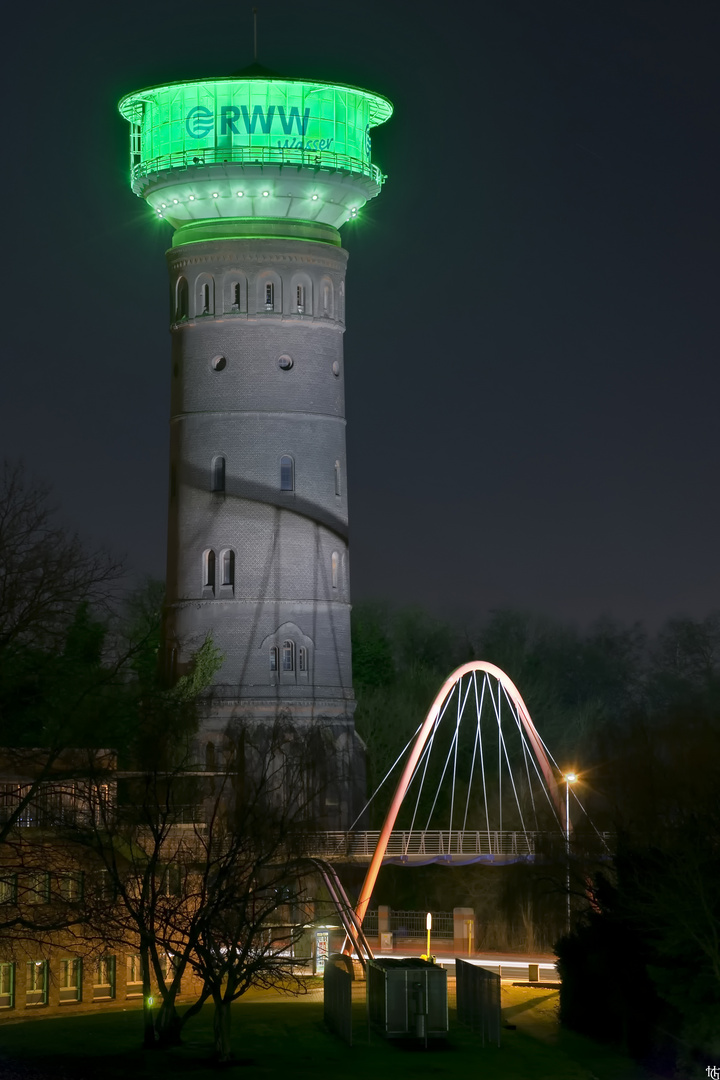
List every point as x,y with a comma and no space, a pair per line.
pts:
254,147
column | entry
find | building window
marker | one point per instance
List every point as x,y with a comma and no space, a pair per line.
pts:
337,477
7,985
227,576
236,296
302,659
8,888
70,887
334,565
326,299
104,978
168,966
36,986
38,887
218,473
288,656
274,658
300,299
287,474
171,881
206,299
181,300
71,980
133,981
269,296
209,569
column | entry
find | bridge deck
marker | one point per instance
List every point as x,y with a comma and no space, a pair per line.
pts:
437,845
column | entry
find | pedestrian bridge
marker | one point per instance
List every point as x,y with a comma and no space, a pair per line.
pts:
455,847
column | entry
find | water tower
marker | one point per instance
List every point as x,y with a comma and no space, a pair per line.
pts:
257,174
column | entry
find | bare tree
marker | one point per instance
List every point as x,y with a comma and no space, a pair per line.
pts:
252,902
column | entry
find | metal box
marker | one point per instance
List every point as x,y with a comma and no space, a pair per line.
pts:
407,998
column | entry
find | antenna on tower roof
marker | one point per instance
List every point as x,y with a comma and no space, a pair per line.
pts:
255,34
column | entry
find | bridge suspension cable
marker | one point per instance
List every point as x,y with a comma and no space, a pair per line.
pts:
538,775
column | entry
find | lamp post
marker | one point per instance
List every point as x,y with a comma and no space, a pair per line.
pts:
569,779
428,924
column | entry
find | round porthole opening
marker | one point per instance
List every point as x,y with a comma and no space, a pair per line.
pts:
218,363
285,363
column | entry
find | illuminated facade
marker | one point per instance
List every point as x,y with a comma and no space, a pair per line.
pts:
256,175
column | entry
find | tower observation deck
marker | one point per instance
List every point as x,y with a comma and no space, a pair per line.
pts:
257,174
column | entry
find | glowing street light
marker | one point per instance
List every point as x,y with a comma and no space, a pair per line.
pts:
569,778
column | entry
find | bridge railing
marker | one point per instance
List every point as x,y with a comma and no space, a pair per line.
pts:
431,843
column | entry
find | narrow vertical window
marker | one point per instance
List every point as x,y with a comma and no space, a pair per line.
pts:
334,564
218,473
236,296
133,979
274,658
288,656
287,474
36,982
206,299
337,477
326,299
181,300
70,980
227,576
209,569
210,756
7,985
104,978
302,659
300,299
269,296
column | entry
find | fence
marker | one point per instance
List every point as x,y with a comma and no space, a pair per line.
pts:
337,1001
412,924
478,999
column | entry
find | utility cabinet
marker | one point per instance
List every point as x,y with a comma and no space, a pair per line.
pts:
407,998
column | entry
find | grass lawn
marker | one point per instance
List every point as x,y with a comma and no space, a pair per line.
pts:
283,1037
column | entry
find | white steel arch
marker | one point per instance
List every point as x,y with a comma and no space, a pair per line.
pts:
422,737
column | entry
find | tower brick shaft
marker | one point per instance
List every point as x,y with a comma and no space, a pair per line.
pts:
257,175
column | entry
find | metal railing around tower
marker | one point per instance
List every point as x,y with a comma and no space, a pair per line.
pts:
257,155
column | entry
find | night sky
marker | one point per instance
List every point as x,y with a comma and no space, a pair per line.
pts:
532,306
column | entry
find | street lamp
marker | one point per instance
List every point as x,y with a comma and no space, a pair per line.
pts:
569,779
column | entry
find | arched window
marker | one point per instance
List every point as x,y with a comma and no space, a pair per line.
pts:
274,658
287,474
227,568
269,296
209,569
334,566
288,656
337,477
181,299
210,756
236,296
326,299
206,299
300,298
218,473
302,659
